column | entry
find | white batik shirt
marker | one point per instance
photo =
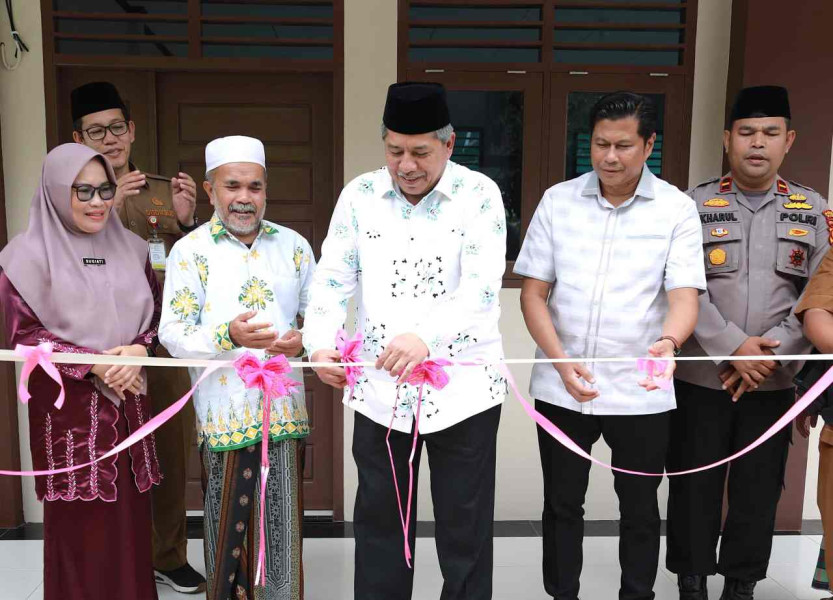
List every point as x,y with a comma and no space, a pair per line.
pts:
433,269
212,277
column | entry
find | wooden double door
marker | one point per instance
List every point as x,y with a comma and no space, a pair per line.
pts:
176,115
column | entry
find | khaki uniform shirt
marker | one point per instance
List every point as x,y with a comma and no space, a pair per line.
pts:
757,261
155,200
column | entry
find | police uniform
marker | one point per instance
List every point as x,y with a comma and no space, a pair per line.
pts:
165,385
758,260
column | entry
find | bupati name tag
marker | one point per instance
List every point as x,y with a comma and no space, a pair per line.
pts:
158,255
94,261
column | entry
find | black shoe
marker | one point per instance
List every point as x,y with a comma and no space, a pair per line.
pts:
184,580
735,589
692,587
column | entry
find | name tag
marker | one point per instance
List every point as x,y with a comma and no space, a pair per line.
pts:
158,255
94,261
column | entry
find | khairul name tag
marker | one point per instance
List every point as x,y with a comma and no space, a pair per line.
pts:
94,261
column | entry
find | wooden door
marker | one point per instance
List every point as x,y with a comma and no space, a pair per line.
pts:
293,116
137,89
572,95
497,117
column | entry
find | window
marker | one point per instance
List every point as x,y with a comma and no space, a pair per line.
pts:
522,76
270,29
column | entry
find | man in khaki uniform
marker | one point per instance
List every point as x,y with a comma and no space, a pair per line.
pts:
146,202
762,239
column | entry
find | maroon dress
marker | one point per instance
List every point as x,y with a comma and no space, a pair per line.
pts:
97,520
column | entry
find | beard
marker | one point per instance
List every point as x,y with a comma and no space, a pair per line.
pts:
226,217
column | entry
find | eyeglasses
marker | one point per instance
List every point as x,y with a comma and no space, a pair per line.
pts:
99,132
85,192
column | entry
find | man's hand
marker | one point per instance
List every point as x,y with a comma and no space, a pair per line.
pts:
184,197
402,355
290,344
572,375
805,422
251,335
332,376
747,375
663,350
129,184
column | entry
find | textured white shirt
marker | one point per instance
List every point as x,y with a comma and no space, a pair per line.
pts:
433,269
212,277
611,269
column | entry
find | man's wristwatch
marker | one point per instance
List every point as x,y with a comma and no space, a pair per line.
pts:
187,228
674,341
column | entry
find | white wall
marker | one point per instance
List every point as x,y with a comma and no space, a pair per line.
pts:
370,66
23,126
519,487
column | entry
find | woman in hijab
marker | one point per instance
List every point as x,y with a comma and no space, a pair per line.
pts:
78,279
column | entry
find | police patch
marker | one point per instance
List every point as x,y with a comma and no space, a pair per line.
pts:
719,232
798,197
797,258
716,203
782,187
828,216
798,232
717,257
718,217
798,218
156,201
798,206
725,185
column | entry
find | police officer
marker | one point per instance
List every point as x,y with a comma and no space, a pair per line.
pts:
160,210
762,239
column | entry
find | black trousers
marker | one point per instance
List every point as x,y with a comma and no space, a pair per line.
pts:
462,463
706,427
638,442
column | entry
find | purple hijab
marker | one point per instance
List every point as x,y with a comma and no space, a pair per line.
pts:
95,306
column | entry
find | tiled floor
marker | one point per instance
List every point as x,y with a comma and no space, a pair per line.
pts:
329,570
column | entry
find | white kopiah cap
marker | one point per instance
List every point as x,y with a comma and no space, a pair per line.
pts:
234,149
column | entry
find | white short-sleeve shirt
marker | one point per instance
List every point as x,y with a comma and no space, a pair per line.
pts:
611,269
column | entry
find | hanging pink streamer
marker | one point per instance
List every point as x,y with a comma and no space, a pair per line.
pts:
561,437
430,372
144,431
271,379
38,356
350,350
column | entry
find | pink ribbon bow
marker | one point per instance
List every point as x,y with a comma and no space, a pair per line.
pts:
272,380
350,350
651,367
35,356
429,372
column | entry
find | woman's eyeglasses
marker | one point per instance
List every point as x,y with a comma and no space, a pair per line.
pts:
85,192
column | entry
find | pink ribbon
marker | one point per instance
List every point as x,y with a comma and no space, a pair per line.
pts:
561,437
141,433
429,372
272,380
38,356
350,350
650,367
